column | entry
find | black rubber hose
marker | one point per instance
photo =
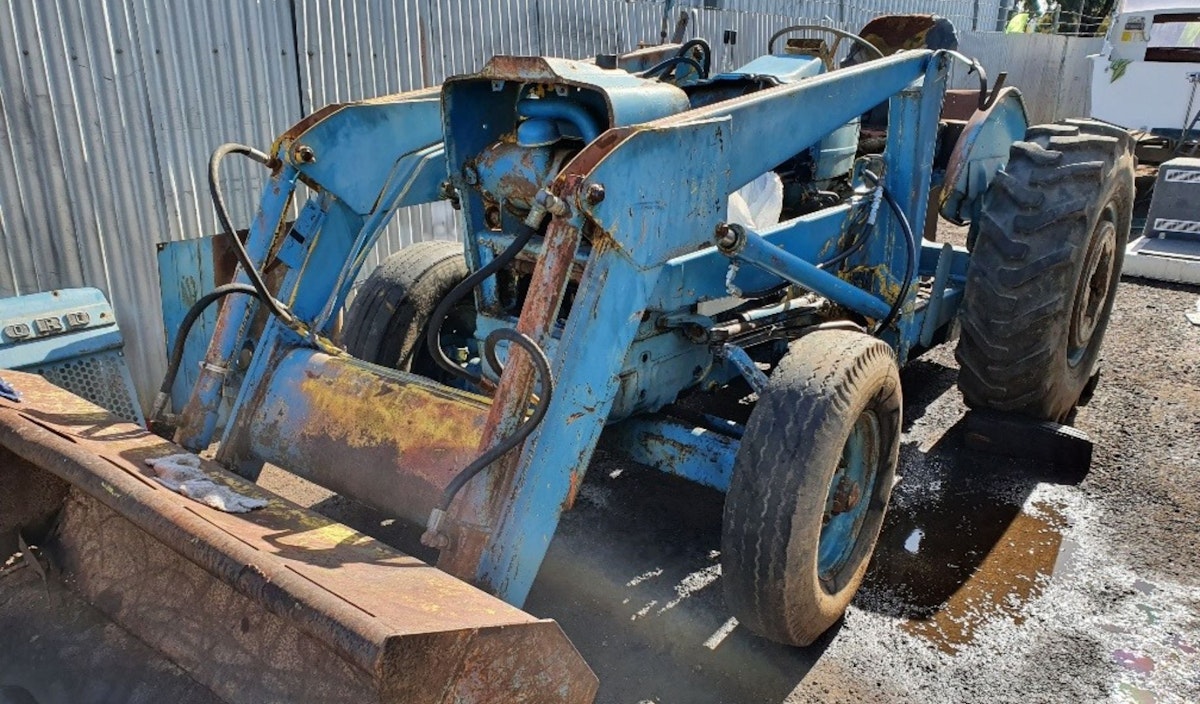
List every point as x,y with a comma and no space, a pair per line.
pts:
911,265
434,333
849,251
185,328
663,66
542,366
276,308
698,43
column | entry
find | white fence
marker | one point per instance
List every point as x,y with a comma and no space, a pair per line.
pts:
108,111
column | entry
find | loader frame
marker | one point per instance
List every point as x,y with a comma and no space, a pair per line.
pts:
637,234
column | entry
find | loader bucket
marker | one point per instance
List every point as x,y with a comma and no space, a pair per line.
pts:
279,604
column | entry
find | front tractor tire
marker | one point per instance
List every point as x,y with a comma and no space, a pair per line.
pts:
810,485
387,322
1044,268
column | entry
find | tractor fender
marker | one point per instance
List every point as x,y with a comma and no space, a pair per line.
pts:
981,151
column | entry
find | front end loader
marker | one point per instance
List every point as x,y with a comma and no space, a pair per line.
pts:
643,240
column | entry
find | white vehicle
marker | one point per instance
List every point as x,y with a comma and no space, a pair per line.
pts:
1146,80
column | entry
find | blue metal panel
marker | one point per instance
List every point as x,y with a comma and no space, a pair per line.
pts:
70,336
185,272
629,99
656,228
373,136
788,68
693,453
913,118
199,420
944,296
981,151
638,239
765,131
43,328
600,330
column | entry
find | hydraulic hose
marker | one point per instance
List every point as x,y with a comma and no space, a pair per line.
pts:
276,308
185,328
706,52
438,319
432,536
910,266
667,64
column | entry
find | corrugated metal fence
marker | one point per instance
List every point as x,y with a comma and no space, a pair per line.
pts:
110,108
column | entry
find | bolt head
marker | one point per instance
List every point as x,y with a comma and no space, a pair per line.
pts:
305,154
595,193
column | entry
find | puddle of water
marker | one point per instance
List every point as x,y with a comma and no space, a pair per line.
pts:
1134,662
913,542
1013,573
964,563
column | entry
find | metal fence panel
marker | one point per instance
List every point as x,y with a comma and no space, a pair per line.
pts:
1050,70
109,110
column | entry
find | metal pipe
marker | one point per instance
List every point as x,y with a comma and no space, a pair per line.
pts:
565,110
745,245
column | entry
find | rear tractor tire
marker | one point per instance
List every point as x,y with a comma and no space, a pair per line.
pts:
810,485
1044,269
387,322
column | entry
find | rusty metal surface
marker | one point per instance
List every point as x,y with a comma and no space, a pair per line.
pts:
893,33
232,644
44,627
386,613
484,502
389,439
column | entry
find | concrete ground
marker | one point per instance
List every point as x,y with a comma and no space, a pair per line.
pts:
994,581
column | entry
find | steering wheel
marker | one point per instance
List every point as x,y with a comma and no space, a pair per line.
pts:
872,51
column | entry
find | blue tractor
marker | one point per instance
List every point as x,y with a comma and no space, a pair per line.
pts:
602,287
645,238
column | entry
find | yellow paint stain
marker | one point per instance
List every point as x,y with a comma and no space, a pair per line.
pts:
324,537
406,416
888,289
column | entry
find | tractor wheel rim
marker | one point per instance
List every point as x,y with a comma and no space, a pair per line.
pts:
1092,290
848,500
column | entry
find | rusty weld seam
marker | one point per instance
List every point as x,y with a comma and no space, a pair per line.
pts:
130,470
46,426
327,589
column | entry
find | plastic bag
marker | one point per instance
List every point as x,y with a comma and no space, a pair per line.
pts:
758,204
